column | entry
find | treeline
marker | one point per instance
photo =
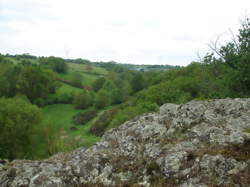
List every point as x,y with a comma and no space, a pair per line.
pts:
34,81
24,56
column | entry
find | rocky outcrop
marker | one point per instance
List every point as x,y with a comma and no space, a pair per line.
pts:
201,143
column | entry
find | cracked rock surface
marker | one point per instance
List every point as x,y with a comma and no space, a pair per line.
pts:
200,143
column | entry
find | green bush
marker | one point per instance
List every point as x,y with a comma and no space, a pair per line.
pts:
130,112
83,100
102,99
17,121
76,80
101,124
84,117
98,84
65,98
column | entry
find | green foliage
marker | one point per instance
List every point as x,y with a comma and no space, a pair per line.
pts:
130,112
98,84
17,121
116,96
102,99
9,75
55,63
64,94
166,92
109,85
138,82
83,117
83,100
100,125
236,56
48,140
61,117
76,79
36,83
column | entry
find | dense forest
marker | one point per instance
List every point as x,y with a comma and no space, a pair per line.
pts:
50,104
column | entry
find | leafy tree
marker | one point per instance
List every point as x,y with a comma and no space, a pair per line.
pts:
76,79
17,119
101,124
116,96
9,75
236,55
109,85
124,86
98,84
55,63
137,83
83,100
102,99
1,58
166,92
36,83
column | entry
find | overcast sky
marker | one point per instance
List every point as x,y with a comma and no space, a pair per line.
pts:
126,31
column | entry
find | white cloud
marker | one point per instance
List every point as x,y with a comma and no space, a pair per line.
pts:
131,31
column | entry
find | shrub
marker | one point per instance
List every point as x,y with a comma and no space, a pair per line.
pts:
102,99
83,100
99,127
130,112
17,121
65,98
76,79
83,117
98,84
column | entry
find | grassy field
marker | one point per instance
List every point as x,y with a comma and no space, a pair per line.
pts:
90,69
89,73
61,116
87,79
65,88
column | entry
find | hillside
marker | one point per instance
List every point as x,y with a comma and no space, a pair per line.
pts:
77,101
201,143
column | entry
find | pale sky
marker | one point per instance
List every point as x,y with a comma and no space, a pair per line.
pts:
125,31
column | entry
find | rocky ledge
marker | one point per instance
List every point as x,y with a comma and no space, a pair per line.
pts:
201,143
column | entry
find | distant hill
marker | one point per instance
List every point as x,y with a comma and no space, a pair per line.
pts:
136,67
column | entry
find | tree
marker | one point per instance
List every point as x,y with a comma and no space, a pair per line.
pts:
55,63
9,75
102,99
116,96
137,83
98,84
17,120
35,82
76,79
236,55
83,100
